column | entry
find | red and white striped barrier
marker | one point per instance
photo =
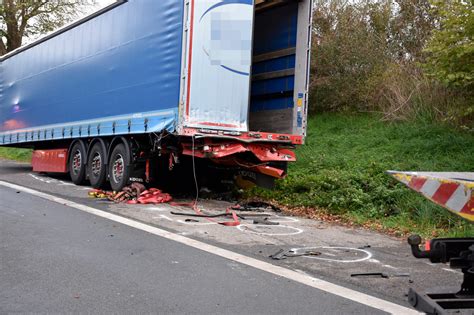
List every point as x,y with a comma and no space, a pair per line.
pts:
454,191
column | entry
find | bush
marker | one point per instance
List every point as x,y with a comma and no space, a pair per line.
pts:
403,93
367,57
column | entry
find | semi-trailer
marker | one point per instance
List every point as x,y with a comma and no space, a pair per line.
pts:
126,93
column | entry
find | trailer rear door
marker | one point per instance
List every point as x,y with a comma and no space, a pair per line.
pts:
218,63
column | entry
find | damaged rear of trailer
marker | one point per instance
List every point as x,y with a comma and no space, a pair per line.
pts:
141,85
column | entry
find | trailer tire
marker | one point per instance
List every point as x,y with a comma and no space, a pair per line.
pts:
77,167
96,165
119,171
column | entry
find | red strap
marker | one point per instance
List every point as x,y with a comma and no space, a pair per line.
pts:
193,205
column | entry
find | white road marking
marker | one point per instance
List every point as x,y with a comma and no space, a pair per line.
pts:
36,177
58,182
196,223
313,282
66,184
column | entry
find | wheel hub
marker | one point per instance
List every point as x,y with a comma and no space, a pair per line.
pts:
76,162
96,164
117,169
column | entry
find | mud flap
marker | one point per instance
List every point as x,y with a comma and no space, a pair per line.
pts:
137,173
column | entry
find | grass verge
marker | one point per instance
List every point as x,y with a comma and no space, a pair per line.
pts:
340,173
22,155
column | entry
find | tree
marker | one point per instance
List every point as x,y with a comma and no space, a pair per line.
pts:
349,46
410,28
20,19
451,49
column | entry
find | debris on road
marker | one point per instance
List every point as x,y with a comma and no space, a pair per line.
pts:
284,254
258,206
380,275
258,218
264,221
153,196
210,217
97,193
135,193
191,220
201,215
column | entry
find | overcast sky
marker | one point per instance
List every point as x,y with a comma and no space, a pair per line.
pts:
105,2
102,3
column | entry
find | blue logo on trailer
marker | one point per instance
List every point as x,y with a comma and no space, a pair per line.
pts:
225,2
228,38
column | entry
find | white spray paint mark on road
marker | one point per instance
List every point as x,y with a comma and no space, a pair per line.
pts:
196,223
155,209
336,251
280,219
254,229
162,216
452,270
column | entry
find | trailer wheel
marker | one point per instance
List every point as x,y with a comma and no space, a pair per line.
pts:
77,169
96,167
119,167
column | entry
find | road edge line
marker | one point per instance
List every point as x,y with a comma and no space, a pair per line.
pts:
310,281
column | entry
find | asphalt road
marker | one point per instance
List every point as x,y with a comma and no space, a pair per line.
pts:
56,259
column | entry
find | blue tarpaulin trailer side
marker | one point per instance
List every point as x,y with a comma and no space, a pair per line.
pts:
102,77
222,80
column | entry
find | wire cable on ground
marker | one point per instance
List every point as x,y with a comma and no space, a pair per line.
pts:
194,204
